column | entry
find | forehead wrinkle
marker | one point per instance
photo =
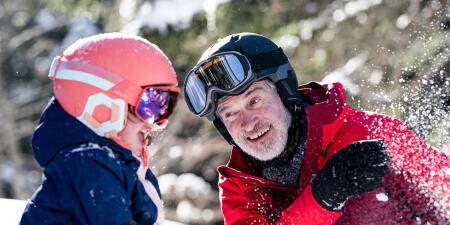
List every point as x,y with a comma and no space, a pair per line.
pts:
247,93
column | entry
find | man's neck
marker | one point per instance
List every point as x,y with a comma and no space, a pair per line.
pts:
285,168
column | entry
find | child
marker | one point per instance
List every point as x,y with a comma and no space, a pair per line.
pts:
110,91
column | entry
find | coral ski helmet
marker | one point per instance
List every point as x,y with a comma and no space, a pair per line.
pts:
230,66
99,79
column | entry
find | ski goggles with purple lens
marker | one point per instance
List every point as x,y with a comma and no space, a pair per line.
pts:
226,73
156,104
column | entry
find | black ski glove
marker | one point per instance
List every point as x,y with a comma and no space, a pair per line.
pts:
354,170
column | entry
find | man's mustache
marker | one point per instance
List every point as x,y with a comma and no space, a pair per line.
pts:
256,128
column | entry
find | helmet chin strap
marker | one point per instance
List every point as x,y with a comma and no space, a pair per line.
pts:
298,128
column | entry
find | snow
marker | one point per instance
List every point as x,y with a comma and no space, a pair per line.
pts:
127,9
402,21
336,13
193,192
8,172
382,197
155,14
175,152
375,77
167,182
339,15
11,212
191,185
88,44
45,19
287,41
187,211
89,146
342,74
379,96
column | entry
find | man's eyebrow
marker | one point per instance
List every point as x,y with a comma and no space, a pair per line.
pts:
221,109
253,90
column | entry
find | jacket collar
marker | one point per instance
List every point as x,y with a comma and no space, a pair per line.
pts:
325,115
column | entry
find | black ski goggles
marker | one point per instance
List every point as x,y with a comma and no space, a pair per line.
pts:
228,73
220,74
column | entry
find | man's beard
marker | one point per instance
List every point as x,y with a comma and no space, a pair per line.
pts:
273,147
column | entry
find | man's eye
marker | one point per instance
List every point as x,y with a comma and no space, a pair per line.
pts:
229,114
254,101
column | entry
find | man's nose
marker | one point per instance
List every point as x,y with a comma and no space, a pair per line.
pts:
248,120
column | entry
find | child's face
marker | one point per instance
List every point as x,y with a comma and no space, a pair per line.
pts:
136,134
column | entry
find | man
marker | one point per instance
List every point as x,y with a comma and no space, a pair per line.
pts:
92,141
301,155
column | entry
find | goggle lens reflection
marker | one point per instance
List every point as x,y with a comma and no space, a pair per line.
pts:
156,105
225,72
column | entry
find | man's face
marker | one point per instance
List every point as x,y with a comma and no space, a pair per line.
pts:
257,120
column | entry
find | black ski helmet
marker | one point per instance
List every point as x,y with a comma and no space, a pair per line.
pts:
265,57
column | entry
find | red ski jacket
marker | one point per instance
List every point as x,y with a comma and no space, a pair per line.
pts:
415,190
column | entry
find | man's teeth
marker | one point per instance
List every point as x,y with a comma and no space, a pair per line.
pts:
259,134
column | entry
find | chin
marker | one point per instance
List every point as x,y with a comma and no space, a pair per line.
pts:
264,154
266,151
269,157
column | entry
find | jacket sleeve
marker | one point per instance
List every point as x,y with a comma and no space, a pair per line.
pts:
420,171
239,209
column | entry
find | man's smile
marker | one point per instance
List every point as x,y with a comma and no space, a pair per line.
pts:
259,134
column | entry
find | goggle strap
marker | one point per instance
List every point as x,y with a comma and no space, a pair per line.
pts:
267,59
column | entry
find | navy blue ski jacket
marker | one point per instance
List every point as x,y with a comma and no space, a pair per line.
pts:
87,179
